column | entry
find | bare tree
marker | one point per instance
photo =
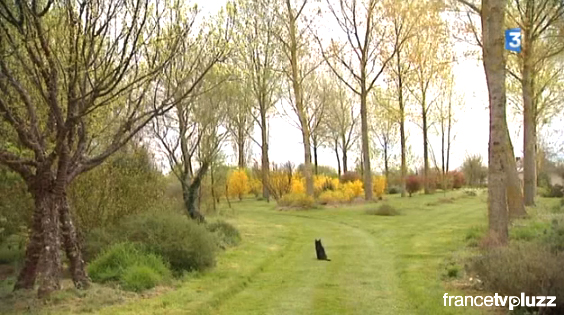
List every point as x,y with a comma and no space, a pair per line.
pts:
364,56
293,38
258,57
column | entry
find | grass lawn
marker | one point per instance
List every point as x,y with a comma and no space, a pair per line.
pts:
379,265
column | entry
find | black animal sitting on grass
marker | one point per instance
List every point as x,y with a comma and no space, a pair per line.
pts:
321,255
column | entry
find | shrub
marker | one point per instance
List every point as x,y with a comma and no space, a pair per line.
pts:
528,268
140,277
332,197
97,240
554,236
394,190
379,185
412,184
556,191
297,201
353,189
298,185
279,183
227,234
255,186
185,244
384,210
350,177
112,263
238,183
323,183
474,170
457,179
127,184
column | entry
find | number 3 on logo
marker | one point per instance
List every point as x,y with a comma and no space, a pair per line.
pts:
513,39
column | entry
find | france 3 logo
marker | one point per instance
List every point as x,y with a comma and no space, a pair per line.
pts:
513,39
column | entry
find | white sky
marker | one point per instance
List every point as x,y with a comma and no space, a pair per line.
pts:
471,129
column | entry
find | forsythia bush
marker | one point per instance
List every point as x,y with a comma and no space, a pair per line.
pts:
238,183
330,197
353,189
298,185
278,184
323,183
379,185
297,200
255,186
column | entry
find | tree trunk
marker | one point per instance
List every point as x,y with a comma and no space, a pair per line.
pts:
386,164
515,204
338,159
73,250
315,163
50,262
345,159
493,16
28,274
402,125
212,188
365,143
529,128
264,147
298,98
425,148
241,152
190,191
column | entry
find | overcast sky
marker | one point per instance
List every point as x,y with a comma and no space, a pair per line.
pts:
471,128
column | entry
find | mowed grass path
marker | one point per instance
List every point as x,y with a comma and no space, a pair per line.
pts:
379,265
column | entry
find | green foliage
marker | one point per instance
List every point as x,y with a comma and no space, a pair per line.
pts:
394,190
474,235
139,278
16,204
113,263
185,244
384,210
554,236
126,184
12,249
226,233
522,267
528,232
474,170
297,201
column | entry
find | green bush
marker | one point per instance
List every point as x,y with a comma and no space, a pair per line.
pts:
12,250
185,244
528,268
554,237
140,277
394,190
384,210
127,184
97,240
297,201
555,191
112,264
226,233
